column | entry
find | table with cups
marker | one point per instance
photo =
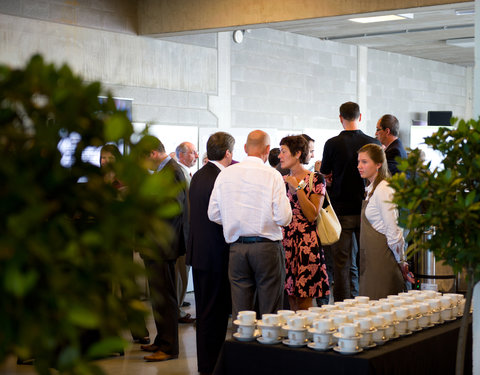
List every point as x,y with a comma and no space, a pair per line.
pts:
355,328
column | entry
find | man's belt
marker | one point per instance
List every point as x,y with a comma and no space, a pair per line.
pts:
253,239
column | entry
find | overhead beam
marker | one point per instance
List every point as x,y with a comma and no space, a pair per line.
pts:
174,17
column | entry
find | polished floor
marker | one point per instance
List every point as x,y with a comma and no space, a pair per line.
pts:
133,362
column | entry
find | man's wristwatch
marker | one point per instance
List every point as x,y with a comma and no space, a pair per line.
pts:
301,185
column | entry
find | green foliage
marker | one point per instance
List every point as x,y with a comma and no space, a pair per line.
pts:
66,246
446,200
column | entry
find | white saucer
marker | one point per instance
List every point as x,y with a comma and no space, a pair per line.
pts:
262,340
449,320
286,327
312,345
381,342
241,338
417,329
260,323
313,330
287,342
406,333
395,336
338,335
370,346
239,323
338,350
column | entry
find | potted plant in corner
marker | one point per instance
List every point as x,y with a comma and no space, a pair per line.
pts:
447,199
66,246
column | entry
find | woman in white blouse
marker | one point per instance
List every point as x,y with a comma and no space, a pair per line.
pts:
383,270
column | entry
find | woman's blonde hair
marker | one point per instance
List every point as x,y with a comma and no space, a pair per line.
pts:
376,153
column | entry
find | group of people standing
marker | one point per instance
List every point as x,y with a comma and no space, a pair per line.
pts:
252,232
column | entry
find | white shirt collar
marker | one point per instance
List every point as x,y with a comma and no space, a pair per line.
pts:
218,164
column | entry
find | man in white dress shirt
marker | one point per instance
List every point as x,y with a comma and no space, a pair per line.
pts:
250,202
187,156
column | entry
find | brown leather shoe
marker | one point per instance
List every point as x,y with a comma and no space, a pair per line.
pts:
159,356
187,319
150,348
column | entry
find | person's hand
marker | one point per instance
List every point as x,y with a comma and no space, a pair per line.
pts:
407,275
328,178
318,165
291,181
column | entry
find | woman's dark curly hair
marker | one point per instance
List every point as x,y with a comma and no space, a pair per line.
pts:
296,143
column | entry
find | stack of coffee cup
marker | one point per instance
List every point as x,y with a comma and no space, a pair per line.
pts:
322,330
296,331
348,338
366,329
246,322
270,328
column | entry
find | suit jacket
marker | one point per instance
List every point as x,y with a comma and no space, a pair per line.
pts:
206,249
393,150
178,223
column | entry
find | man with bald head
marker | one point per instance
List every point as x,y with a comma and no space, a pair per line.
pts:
250,202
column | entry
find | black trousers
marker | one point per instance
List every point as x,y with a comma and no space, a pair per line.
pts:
213,307
163,293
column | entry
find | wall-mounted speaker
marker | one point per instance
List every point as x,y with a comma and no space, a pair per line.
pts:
439,118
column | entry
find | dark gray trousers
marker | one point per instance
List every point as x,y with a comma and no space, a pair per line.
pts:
257,267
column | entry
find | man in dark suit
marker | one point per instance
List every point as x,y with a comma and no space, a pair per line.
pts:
387,134
161,272
207,253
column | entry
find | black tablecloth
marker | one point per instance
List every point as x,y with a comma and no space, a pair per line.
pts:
431,351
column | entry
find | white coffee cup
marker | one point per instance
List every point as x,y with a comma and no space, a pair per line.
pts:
322,340
378,336
283,314
270,333
365,324
309,318
348,345
246,330
339,319
378,321
297,337
323,325
361,312
401,327
389,316
296,321
316,310
401,313
362,299
348,330
270,319
389,331
366,339
246,317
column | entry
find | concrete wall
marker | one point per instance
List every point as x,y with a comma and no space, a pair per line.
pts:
287,81
408,87
272,80
113,15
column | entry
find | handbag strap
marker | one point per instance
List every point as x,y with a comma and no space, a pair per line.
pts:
311,188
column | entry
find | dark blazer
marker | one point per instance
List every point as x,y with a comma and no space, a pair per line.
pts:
393,150
179,223
206,247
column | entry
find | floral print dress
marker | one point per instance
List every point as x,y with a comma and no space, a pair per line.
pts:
306,272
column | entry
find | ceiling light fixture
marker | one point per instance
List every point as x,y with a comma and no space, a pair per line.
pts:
385,18
461,42
465,12
238,36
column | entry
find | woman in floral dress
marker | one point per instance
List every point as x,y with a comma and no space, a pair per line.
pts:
306,273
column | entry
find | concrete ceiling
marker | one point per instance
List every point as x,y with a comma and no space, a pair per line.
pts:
424,36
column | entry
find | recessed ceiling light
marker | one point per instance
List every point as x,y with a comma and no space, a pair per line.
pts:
388,17
461,42
465,12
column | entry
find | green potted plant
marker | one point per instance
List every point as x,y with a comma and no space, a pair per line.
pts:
448,200
65,246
